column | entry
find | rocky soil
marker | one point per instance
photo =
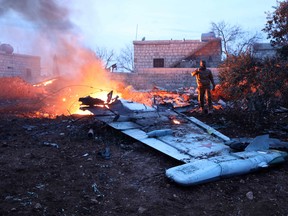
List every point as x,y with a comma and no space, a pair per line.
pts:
52,167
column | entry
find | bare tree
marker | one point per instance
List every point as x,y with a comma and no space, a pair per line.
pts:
125,60
235,41
107,56
277,28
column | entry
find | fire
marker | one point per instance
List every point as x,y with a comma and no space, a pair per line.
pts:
82,112
44,83
60,96
175,121
79,73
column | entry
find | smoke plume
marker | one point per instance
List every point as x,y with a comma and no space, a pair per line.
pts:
47,15
58,41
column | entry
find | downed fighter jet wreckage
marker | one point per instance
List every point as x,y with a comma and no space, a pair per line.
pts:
205,152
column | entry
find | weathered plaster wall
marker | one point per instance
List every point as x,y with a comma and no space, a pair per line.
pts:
174,51
25,66
167,78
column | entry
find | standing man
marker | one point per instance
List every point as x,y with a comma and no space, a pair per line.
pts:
204,77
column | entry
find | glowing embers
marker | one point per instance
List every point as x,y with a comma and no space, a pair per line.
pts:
100,107
91,101
175,121
44,83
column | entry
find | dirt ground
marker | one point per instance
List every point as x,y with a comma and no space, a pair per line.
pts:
52,167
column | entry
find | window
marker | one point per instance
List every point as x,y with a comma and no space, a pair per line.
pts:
159,62
28,73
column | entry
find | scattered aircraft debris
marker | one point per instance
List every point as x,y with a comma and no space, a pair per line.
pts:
239,144
256,156
206,153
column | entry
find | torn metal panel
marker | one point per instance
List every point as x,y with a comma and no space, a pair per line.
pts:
124,125
209,129
211,169
202,148
240,144
136,133
259,143
169,150
158,145
186,141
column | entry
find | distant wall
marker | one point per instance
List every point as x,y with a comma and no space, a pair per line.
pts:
264,50
167,78
176,52
172,51
25,66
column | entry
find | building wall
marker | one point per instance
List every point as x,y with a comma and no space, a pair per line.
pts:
24,66
211,52
264,50
172,51
167,78
175,52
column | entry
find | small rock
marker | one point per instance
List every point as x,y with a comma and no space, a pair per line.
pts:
141,210
242,181
250,195
94,200
38,206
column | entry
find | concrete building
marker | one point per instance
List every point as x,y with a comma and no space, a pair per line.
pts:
177,53
26,67
263,50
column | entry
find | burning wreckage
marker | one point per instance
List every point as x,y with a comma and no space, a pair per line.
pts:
207,154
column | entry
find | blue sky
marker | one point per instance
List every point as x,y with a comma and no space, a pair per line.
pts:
113,24
116,23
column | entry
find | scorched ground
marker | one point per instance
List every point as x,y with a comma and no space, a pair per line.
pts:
52,167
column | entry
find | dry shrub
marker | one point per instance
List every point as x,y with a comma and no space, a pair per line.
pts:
16,88
258,85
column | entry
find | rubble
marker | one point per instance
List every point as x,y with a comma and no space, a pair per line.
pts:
205,156
51,144
133,169
62,178
241,143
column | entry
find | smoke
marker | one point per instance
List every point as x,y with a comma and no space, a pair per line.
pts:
56,35
47,15
58,42
53,32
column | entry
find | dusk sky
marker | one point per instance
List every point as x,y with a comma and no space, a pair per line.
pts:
113,24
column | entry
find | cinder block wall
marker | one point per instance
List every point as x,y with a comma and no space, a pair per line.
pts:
167,78
25,66
172,51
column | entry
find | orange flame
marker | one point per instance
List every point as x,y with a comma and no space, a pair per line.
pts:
45,83
175,121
